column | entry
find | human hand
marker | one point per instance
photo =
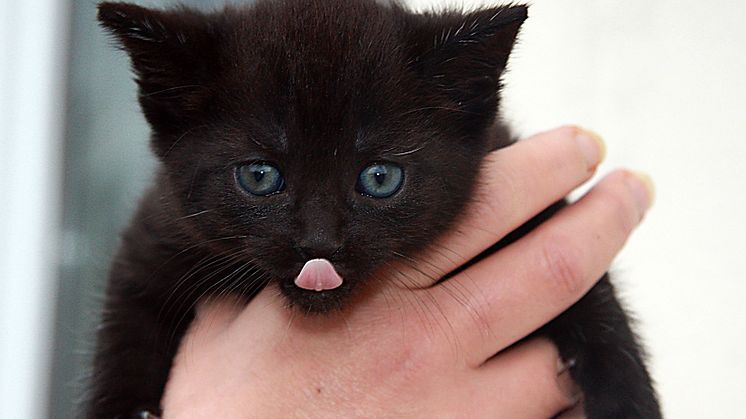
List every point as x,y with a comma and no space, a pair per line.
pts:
415,349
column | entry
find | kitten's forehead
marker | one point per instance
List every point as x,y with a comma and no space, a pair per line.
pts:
322,58
318,41
337,30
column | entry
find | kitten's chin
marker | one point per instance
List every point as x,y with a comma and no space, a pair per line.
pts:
312,302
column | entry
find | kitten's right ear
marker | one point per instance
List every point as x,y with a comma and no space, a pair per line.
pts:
172,58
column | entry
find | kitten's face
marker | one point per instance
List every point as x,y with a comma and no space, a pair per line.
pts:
330,130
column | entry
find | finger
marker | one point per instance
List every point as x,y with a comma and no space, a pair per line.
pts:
530,379
520,288
576,412
213,315
221,309
515,184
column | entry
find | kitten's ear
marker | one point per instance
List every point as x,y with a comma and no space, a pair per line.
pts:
171,54
464,55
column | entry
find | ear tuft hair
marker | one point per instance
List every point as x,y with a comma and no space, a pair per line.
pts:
172,54
129,22
475,28
464,55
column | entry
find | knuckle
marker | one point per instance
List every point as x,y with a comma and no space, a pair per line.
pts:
564,267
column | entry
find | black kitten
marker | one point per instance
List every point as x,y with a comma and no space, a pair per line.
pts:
342,132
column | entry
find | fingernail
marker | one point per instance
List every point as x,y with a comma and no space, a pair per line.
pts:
643,189
564,379
592,146
563,365
575,412
567,385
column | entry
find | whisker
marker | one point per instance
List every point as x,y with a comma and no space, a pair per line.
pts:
406,153
185,312
443,108
289,325
461,258
481,228
193,215
190,248
419,308
247,281
413,264
458,291
435,303
467,294
217,264
186,86
178,140
199,266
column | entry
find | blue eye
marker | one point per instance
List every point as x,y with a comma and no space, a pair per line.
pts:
260,178
380,180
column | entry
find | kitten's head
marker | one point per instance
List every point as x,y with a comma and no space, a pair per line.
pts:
343,130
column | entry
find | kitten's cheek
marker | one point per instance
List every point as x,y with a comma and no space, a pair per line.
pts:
318,275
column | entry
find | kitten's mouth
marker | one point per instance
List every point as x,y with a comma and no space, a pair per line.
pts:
317,289
318,275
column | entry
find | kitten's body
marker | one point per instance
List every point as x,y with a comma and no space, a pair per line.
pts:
319,88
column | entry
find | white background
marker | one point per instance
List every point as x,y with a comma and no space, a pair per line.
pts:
664,81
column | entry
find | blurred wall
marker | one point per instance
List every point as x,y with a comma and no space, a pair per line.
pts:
663,80
107,165
32,72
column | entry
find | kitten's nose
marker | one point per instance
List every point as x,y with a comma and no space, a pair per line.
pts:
319,230
309,248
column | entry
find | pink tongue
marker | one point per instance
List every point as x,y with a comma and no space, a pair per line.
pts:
318,275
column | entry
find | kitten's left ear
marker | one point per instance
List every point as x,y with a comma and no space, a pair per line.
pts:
172,57
464,55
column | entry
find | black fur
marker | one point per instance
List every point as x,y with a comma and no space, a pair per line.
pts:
320,88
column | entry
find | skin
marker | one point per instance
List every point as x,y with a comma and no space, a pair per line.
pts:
444,350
